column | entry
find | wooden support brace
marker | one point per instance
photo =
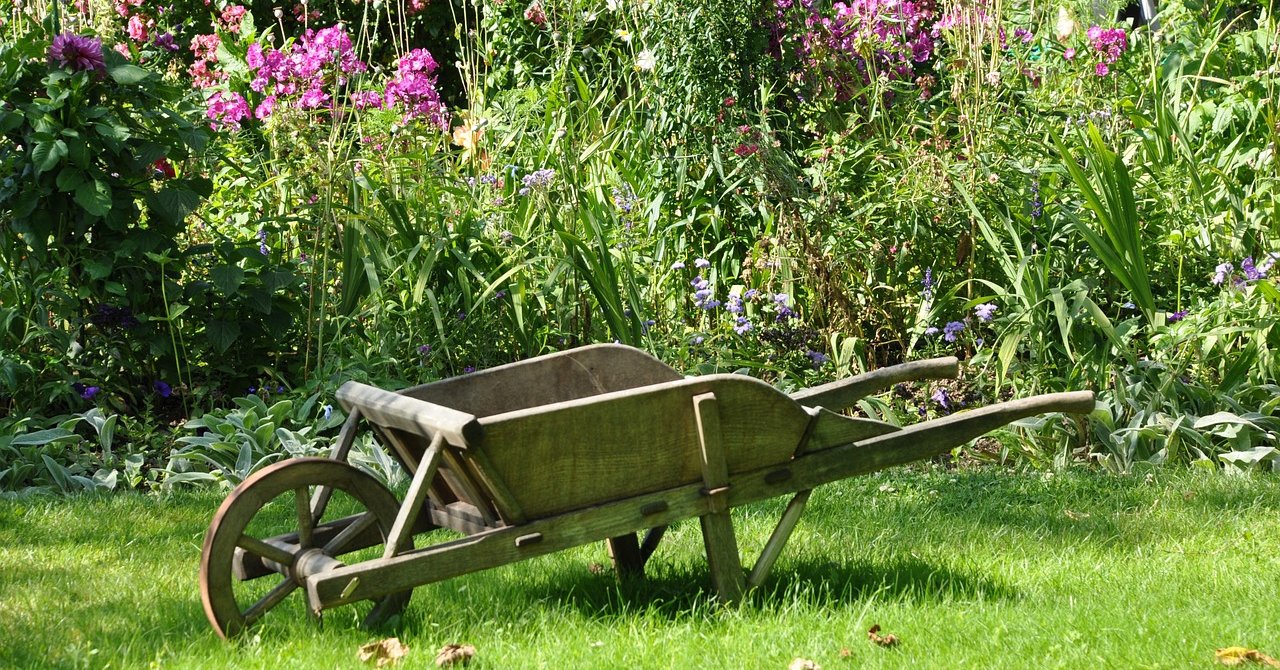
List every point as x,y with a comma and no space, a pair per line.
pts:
717,525
778,540
402,529
624,551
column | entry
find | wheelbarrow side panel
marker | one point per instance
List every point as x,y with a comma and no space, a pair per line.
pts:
571,455
558,377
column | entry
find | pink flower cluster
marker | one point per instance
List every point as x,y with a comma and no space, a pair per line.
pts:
319,62
310,74
1109,44
205,48
414,88
832,46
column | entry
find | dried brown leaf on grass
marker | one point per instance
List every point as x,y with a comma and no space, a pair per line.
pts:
1238,655
383,652
845,652
886,640
451,654
803,664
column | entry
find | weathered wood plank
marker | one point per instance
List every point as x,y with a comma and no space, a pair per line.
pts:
410,414
624,551
778,539
574,454
844,393
401,534
557,377
493,548
717,526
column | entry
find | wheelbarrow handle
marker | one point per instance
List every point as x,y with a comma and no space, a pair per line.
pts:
846,392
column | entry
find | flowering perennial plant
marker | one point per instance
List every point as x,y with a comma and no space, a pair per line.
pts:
846,48
77,53
1108,45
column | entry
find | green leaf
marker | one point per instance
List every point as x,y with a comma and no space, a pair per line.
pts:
70,177
222,334
127,73
47,155
95,197
43,437
227,278
98,268
172,205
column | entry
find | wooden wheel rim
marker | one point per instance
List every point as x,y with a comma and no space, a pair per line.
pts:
244,503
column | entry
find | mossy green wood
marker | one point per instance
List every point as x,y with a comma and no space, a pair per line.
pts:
601,442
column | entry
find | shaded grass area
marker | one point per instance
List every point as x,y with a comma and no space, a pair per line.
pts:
968,569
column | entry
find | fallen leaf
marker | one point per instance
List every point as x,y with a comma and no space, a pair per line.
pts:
383,652
1076,516
454,653
596,569
845,652
887,640
1238,655
803,664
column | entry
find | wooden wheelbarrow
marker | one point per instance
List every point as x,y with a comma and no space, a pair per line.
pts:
596,443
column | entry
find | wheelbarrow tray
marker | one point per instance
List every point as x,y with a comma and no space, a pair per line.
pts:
601,442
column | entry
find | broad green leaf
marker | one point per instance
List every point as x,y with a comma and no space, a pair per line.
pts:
95,197
227,278
222,334
127,73
70,177
46,155
172,205
41,437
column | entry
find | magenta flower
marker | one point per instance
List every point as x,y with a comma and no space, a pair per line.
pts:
77,53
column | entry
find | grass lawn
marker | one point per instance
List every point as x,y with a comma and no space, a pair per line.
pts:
968,569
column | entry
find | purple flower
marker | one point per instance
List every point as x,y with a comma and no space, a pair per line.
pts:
468,370
940,396
697,339
678,265
701,263
781,298
930,331
735,304
262,241
1223,271
86,392
927,282
985,311
328,411
1251,273
1267,262
1069,54
952,329
162,388
1177,316
165,41
742,326
77,53
817,357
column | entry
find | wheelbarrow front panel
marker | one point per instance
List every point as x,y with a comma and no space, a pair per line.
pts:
553,378
565,456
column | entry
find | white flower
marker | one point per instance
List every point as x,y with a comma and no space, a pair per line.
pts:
1065,26
624,35
645,60
613,5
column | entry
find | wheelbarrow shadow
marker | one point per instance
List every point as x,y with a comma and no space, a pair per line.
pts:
678,590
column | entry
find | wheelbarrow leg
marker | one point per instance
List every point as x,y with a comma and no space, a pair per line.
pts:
778,540
717,526
624,550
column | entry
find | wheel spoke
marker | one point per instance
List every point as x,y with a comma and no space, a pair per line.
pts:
273,598
268,551
334,547
305,521
320,502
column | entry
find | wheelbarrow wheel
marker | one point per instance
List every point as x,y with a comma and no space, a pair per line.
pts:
272,528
